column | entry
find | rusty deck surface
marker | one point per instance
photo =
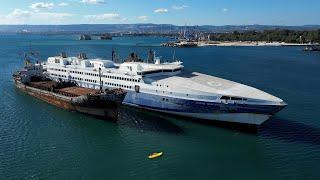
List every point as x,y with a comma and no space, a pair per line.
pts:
73,91
43,84
77,91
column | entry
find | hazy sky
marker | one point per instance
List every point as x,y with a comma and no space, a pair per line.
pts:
190,12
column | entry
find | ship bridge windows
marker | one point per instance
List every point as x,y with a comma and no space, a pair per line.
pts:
225,98
159,71
232,98
236,99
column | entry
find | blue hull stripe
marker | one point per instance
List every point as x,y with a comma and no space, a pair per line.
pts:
158,102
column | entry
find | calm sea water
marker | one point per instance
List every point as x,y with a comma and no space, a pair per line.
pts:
40,141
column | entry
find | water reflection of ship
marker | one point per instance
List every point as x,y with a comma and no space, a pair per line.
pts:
312,48
148,121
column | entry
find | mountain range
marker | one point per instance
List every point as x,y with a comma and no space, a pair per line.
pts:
141,28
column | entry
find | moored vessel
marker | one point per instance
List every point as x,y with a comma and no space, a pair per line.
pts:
67,94
166,87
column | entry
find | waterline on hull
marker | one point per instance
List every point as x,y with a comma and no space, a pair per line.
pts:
243,118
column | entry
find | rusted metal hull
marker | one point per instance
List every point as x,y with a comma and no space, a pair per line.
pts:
108,111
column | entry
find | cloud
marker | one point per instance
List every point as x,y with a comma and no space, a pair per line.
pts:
181,7
161,10
18,16
55,16
18,13
106,16
41,5
63,4
224,10
143,18
94,1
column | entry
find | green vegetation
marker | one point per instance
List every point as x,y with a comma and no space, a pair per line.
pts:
288,36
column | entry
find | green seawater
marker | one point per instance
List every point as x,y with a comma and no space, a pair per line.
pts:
40,141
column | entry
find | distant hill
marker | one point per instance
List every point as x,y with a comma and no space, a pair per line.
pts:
141,28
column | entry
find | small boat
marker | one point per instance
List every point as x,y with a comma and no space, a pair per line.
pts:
85,37
155,155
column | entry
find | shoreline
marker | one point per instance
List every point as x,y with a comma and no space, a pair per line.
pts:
234,43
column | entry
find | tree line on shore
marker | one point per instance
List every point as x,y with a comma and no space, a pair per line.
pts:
278,35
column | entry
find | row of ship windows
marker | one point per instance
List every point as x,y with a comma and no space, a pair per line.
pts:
58,75
63,76
159,71
93,81
121,78
124,86
129,87
76,72
167,92
161,85
76,78
97,75
90,80
118,85
33,68
61,70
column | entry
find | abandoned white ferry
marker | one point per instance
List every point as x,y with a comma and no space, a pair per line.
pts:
166,87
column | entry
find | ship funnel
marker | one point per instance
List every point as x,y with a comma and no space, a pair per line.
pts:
157,60
63,54
82,56
150,56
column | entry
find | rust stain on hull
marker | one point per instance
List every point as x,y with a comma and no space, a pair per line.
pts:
65,102
52,100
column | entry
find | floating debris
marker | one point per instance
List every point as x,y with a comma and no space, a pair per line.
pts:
155,155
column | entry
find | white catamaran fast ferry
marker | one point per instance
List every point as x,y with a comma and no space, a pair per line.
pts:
166,87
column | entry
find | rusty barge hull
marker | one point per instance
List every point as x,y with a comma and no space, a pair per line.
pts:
67,103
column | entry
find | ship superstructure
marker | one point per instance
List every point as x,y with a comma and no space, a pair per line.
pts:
167,87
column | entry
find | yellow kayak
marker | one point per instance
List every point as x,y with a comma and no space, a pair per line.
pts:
155,155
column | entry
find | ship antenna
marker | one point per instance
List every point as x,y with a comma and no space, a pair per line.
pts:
112,54
100,79
150,56
174,55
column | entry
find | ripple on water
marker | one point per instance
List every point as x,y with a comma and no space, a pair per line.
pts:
39,141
